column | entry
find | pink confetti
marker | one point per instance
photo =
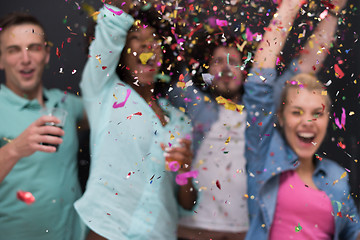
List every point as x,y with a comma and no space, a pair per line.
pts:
113,11
324,14
249,35
278,61
187,100
174,166
26,197
343,120
122,104
221,23
182,178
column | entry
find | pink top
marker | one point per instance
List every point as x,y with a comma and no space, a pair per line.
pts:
301,212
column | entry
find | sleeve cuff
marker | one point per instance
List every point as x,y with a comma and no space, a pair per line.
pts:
114,15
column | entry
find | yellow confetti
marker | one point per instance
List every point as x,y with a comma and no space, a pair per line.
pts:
144,57
351,113
172,137
115,96
182,109
98,58
241,48
343,175
246,196
242,29
201,162
206,99
291,186
227,140
311,44
90,10
324,93
180,84
229,104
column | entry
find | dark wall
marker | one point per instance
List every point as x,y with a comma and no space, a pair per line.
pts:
66,24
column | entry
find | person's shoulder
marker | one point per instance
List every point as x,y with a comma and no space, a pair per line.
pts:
65,96
53,92
331,166
335,174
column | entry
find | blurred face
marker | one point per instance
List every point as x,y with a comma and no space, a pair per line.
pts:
304,120
143,56
23,58
225,67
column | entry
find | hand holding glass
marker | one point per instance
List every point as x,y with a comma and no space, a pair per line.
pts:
58,113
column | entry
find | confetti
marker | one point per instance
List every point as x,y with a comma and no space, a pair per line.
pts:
343,120
26,197
182,178
221,23
298,228
138,113
122,104
208,78
228,104
246,61
113,11
343,175
144,57
174,166
218,184
339,73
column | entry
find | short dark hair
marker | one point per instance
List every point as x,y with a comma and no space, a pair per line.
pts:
201,47
19,18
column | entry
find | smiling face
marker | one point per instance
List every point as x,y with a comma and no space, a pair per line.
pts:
304,119
225,67
23,57
143,54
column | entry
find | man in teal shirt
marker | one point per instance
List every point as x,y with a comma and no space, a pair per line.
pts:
25,163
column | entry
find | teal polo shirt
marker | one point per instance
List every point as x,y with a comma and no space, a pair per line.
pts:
50,177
